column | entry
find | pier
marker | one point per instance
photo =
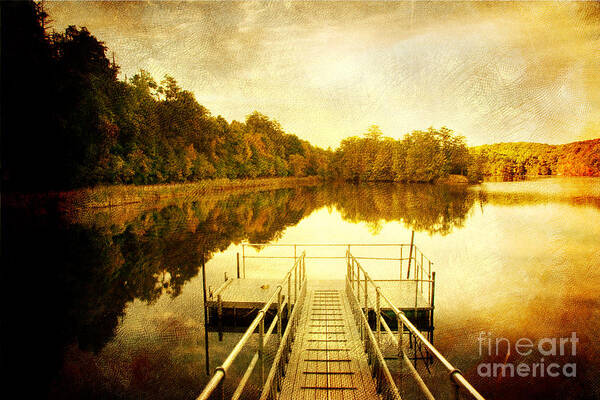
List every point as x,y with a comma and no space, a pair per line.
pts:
332,339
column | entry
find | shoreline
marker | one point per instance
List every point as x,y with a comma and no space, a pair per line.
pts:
121,195
107,197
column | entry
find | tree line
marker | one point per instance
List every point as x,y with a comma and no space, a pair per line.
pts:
517,160
421,156
69,122
427,156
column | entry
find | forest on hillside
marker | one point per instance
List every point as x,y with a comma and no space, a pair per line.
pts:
68,122
420,156
516,160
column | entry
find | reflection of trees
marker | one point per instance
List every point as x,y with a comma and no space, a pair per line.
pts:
524,198
80,276
77,274
158,251
67,280
429,208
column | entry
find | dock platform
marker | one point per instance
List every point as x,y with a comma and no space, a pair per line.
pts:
329,334
235,304
327,360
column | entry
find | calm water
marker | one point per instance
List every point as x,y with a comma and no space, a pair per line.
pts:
108,303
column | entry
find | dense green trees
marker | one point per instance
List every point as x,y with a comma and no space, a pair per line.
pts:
515,160
69,122
166,136
421,156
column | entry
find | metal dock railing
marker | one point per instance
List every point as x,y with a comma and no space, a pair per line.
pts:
333,342
457,381
217,382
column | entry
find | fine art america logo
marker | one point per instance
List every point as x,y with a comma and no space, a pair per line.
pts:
525,347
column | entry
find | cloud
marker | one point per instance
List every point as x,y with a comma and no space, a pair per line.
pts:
493,72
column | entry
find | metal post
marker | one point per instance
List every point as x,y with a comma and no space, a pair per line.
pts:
416,297
348,263
303,267
351,267
295,285
261,351
429,278
289,298
238,264
357,283
244,260
220,316
279,323
429,270
294,253
412,239
455,388
348,266
378,315
352,273
207,361
422,272
401,261
432,302
400,334
366,300
416,273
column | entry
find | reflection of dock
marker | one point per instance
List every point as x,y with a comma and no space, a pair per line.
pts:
324,340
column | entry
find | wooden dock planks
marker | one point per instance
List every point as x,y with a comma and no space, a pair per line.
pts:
327,360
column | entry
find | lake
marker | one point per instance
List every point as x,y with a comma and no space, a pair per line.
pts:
108,303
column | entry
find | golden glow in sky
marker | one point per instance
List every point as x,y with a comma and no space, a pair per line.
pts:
493,72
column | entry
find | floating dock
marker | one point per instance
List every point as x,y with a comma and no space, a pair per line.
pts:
328,355
329,335
235,304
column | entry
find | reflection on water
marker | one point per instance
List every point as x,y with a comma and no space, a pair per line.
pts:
109,303
429,208
81,274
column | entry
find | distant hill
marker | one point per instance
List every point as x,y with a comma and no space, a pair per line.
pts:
512,160
580,158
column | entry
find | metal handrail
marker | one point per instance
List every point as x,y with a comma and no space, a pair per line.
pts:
218,378
378,364
415,255
418,280
332,258
325,244
456,376
273,383
221,288
414,246
420,383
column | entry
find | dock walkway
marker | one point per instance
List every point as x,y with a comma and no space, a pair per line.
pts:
327,359
329,335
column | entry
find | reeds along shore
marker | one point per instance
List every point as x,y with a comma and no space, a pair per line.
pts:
112,196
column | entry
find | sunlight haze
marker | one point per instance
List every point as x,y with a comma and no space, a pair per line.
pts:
491,72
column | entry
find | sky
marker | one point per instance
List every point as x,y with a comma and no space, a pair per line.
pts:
492,72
